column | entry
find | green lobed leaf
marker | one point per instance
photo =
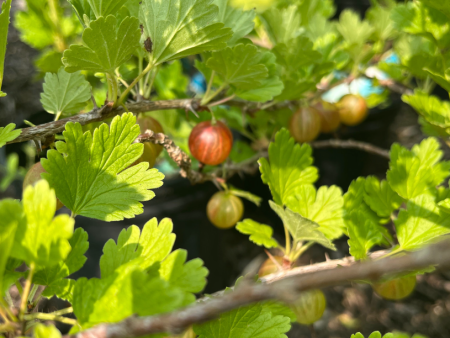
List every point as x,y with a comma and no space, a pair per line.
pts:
4,24
353,30
380,197
241,22
296,53
379,18
301,229
128,291
239,66
106,7
42,331
419,19
432,109
260,234
8,134
153,245
91,174
82,8
282,24
10,211
11,171
189,277
36,16
442,6
363,224
416,172
416,53
64,93
54,277
442,78
422,222
42,239
108,45
288,167
179,28
324,207
270,87
363,234
245,322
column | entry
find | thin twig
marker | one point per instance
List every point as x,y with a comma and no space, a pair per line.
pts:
350,144
285,290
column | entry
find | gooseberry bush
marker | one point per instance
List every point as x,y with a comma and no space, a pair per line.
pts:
113,79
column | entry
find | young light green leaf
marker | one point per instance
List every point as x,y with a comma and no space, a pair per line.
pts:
379,18
89,172
280,309
128,291
363,234
239,66
270,87
189,277
380,197
65,94
353,30
42,331
421,223
241,22
288,167
296,53
105,7
324,207
11,171
416,172
150,247
245,322
282,24
10,211
363,224
245,194
42,239
432,109
260,234
441,6
179,28
297,58
419,19
301,229
153,245
108,45
54,277
8,134
4,24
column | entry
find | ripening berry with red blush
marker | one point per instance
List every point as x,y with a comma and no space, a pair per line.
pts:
211,143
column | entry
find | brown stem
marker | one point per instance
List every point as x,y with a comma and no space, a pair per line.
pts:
350,144
286,289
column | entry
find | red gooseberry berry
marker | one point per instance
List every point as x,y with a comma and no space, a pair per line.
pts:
211,143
